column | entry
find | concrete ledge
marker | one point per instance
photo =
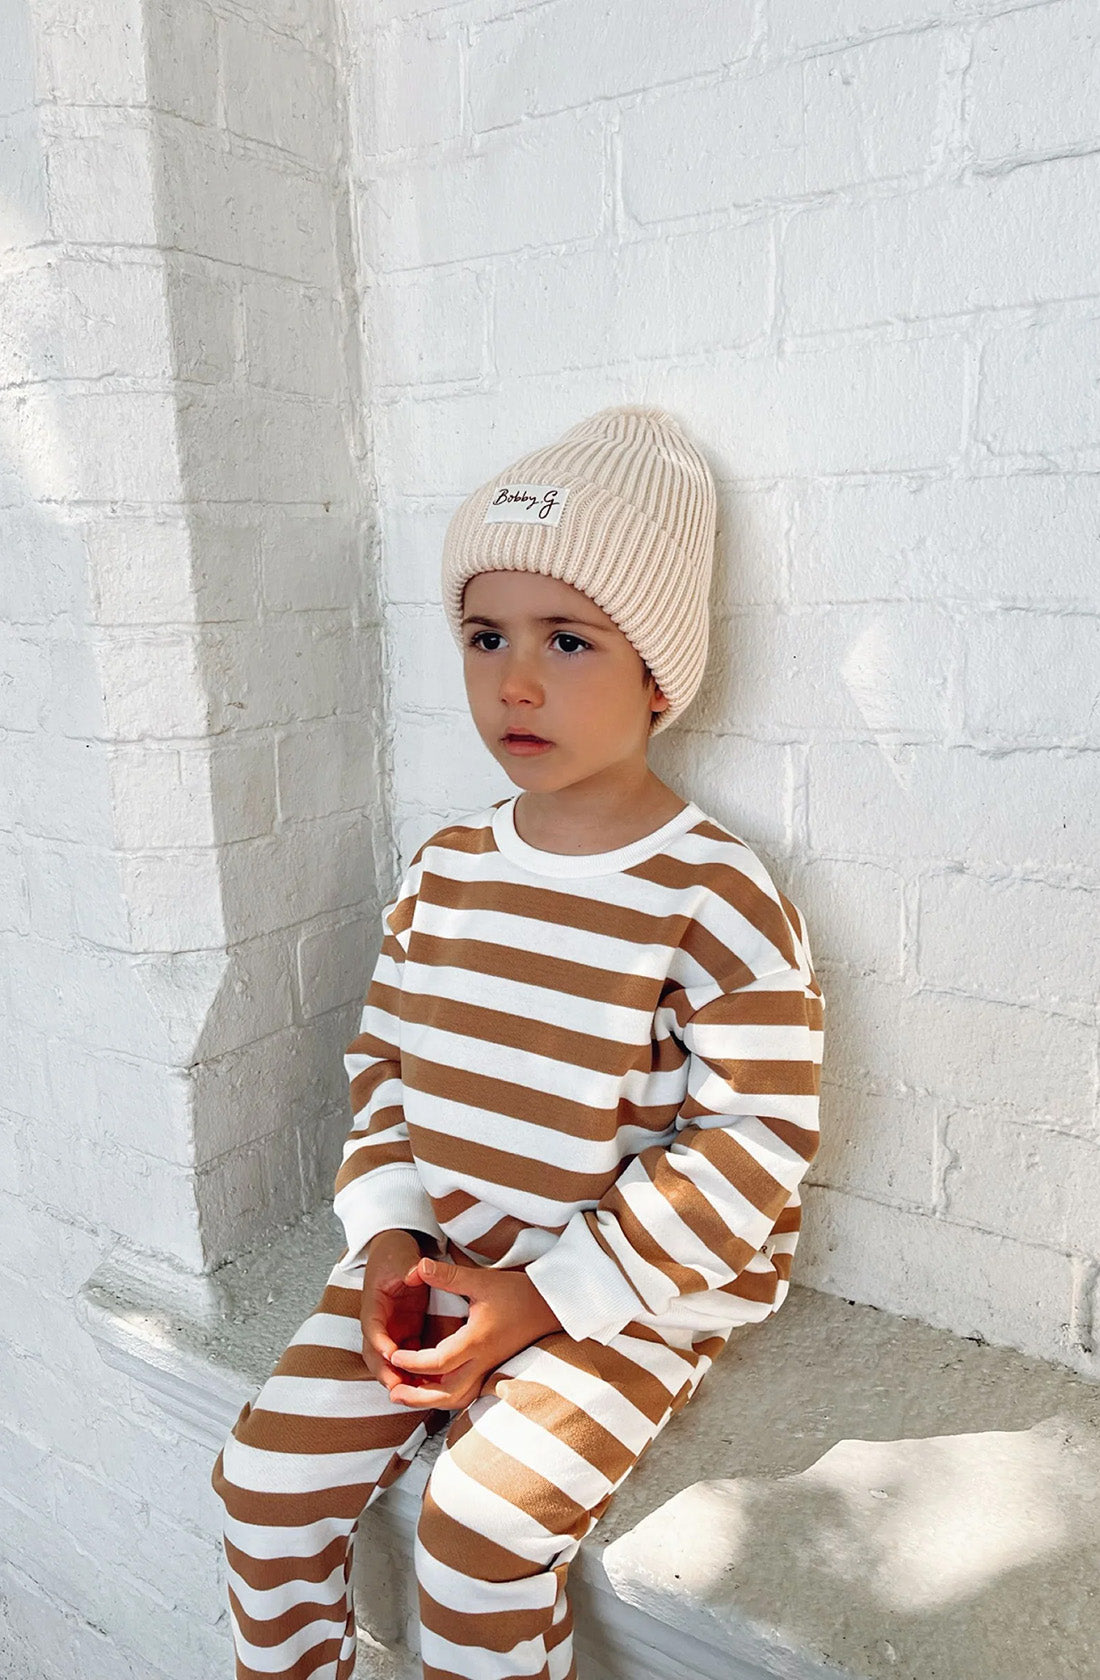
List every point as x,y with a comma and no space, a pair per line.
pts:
202,1345
850,1494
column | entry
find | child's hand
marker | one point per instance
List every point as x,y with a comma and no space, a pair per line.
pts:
507,1313
393,1304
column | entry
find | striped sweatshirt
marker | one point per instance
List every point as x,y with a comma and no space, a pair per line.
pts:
604,1068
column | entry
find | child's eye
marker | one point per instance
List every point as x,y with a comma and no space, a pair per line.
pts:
475,641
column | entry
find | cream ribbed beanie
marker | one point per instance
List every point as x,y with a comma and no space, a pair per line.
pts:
622,507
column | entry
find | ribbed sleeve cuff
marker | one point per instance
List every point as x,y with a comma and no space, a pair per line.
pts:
584,1289
391,1198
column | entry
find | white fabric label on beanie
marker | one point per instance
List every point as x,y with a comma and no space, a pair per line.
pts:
526,504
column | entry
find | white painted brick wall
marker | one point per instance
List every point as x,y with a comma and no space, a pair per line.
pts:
851,244
193,844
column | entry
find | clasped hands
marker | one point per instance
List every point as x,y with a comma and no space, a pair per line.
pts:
507,1313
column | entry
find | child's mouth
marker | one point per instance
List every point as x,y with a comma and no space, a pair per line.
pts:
525,744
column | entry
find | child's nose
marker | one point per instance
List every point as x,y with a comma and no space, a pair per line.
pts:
520,681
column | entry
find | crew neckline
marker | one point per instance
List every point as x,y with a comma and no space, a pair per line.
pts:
575,865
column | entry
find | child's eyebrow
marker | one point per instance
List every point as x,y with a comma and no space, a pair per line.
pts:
553,618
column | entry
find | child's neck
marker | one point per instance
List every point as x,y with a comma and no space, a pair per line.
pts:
592,821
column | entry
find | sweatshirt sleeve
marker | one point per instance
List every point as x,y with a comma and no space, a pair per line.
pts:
378,1187
694,1214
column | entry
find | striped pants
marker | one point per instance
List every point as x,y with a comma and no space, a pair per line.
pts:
526,1471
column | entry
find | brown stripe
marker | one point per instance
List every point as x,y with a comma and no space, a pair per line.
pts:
293,1510
502,1167
386,999
391,945
781,1078
493,1630
560,1632
520,1484
744,1171
361,1090
286,1432
460,1548
501,1237
753,1009
515,1101
449,1207
264,1573
567,1422
273,1630
802,1139
697,1212
640,1387
710,1347
306,1359
306,1665
369,1156
592,1052
743,895
432,1673
686,1278
460,1423
753,1286
547,907
377,1121
727,882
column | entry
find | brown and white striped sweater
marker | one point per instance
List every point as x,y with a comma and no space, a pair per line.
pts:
604,1068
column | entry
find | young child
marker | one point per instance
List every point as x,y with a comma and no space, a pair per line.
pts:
585,1089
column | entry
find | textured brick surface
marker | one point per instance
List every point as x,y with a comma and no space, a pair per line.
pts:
279,288
850,244
191,838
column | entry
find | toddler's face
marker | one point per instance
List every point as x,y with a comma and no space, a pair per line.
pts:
577,683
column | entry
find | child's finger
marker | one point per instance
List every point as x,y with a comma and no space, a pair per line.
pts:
449,1393
432,1361
379,1340
470,1282
424,1399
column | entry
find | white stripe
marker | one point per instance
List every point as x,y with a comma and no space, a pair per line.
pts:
743,1217
327,1397
784,1164
256,1470
473,1597
276,1659
600,1400
266,1604
475,1663
258,1540
658,1216
651,1284
535,1447
329,1330
669,1369
360,1137
559,1660
471,1223
478,1508
540,1145
520,1204
744,1041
